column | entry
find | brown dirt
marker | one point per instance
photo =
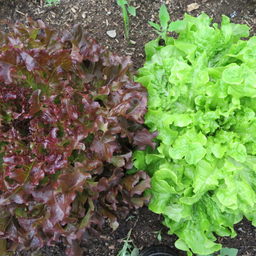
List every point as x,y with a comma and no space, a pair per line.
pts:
99,16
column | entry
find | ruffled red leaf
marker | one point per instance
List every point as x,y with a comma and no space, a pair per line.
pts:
143,138
9,62
70,115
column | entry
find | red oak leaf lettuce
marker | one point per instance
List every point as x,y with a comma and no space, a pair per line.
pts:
70,115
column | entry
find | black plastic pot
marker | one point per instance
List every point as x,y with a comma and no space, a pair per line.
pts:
158,250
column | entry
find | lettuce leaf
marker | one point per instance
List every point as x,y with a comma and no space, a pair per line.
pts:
202,97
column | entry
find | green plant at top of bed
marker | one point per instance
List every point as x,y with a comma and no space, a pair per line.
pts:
131,10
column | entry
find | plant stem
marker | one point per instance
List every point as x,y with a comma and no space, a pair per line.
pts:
126,19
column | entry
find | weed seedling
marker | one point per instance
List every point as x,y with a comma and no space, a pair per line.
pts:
130,10
130,217
50,2
159,236
127,249
164,18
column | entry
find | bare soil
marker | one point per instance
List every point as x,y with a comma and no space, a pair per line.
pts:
98,17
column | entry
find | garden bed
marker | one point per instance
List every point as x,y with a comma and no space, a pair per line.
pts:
98,17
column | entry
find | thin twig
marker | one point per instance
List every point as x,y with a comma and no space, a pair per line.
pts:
21,12
136,222
127,238
143,233
135,27
247,23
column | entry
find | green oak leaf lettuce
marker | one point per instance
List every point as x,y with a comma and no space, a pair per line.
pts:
202,102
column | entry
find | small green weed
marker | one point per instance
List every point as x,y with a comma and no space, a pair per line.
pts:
128,249
50,2
164,18
131,10
159,236
130,217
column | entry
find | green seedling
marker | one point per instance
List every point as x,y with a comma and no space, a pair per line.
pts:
50,2
164,18
129,218
224,252
130,10
159,236
128,249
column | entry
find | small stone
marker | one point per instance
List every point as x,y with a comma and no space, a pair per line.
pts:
132,42
233,15
192,7
111,33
